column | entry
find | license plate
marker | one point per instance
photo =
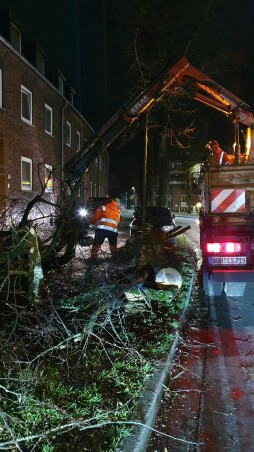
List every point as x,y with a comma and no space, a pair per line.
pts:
236,260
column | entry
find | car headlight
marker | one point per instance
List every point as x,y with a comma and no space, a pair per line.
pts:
167,228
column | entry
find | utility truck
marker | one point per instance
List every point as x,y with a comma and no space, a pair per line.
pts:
227,192
227,227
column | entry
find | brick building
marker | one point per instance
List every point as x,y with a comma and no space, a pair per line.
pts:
40,128
184,190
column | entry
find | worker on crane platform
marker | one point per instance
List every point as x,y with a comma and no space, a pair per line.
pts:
217,156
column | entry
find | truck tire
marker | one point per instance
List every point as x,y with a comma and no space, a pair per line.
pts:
211,288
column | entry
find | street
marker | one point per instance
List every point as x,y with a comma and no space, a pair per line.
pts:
209,402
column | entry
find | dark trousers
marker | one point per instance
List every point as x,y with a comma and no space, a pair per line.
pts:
100,236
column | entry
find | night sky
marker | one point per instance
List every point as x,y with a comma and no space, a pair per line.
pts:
109,49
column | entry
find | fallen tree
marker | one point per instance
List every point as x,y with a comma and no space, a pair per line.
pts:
72,369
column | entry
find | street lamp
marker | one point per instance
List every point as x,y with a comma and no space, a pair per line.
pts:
198,206
134,195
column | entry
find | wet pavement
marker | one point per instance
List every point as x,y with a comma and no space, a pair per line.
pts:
209,402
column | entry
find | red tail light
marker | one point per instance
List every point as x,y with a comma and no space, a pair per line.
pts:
227,247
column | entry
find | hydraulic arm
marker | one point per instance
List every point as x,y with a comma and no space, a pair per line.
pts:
206,91
203,89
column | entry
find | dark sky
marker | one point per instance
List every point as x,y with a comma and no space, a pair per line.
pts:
94,43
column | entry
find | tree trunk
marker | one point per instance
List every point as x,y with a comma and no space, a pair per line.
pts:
163,170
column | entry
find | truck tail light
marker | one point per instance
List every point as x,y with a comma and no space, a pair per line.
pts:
213,247
224,247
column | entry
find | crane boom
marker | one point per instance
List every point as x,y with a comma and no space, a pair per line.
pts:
206,91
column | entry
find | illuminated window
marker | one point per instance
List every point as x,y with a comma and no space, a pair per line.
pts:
26,105
48,179
15,37
26,173
68,134
48,119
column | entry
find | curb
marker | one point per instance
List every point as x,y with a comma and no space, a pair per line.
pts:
150,400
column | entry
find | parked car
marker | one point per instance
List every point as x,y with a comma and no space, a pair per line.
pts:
158,220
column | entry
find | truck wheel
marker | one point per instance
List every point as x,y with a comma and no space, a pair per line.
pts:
211,288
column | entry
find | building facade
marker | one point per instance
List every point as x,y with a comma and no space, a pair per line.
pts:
184,191
40,128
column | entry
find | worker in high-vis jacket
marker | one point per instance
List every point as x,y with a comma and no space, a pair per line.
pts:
217,156
106,218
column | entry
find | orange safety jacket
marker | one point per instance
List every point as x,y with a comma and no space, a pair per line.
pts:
107,216
218,157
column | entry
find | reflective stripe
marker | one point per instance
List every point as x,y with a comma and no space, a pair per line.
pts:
107,228
108,220
221,157
228,201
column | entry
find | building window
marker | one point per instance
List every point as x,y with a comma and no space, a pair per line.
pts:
15,37
26,105
183,198
40,64
61,85
1,89
78,141
48,119
26,173
48,179
68,134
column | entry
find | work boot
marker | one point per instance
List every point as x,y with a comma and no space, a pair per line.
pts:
112,249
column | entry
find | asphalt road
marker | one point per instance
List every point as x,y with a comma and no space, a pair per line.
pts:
209,402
